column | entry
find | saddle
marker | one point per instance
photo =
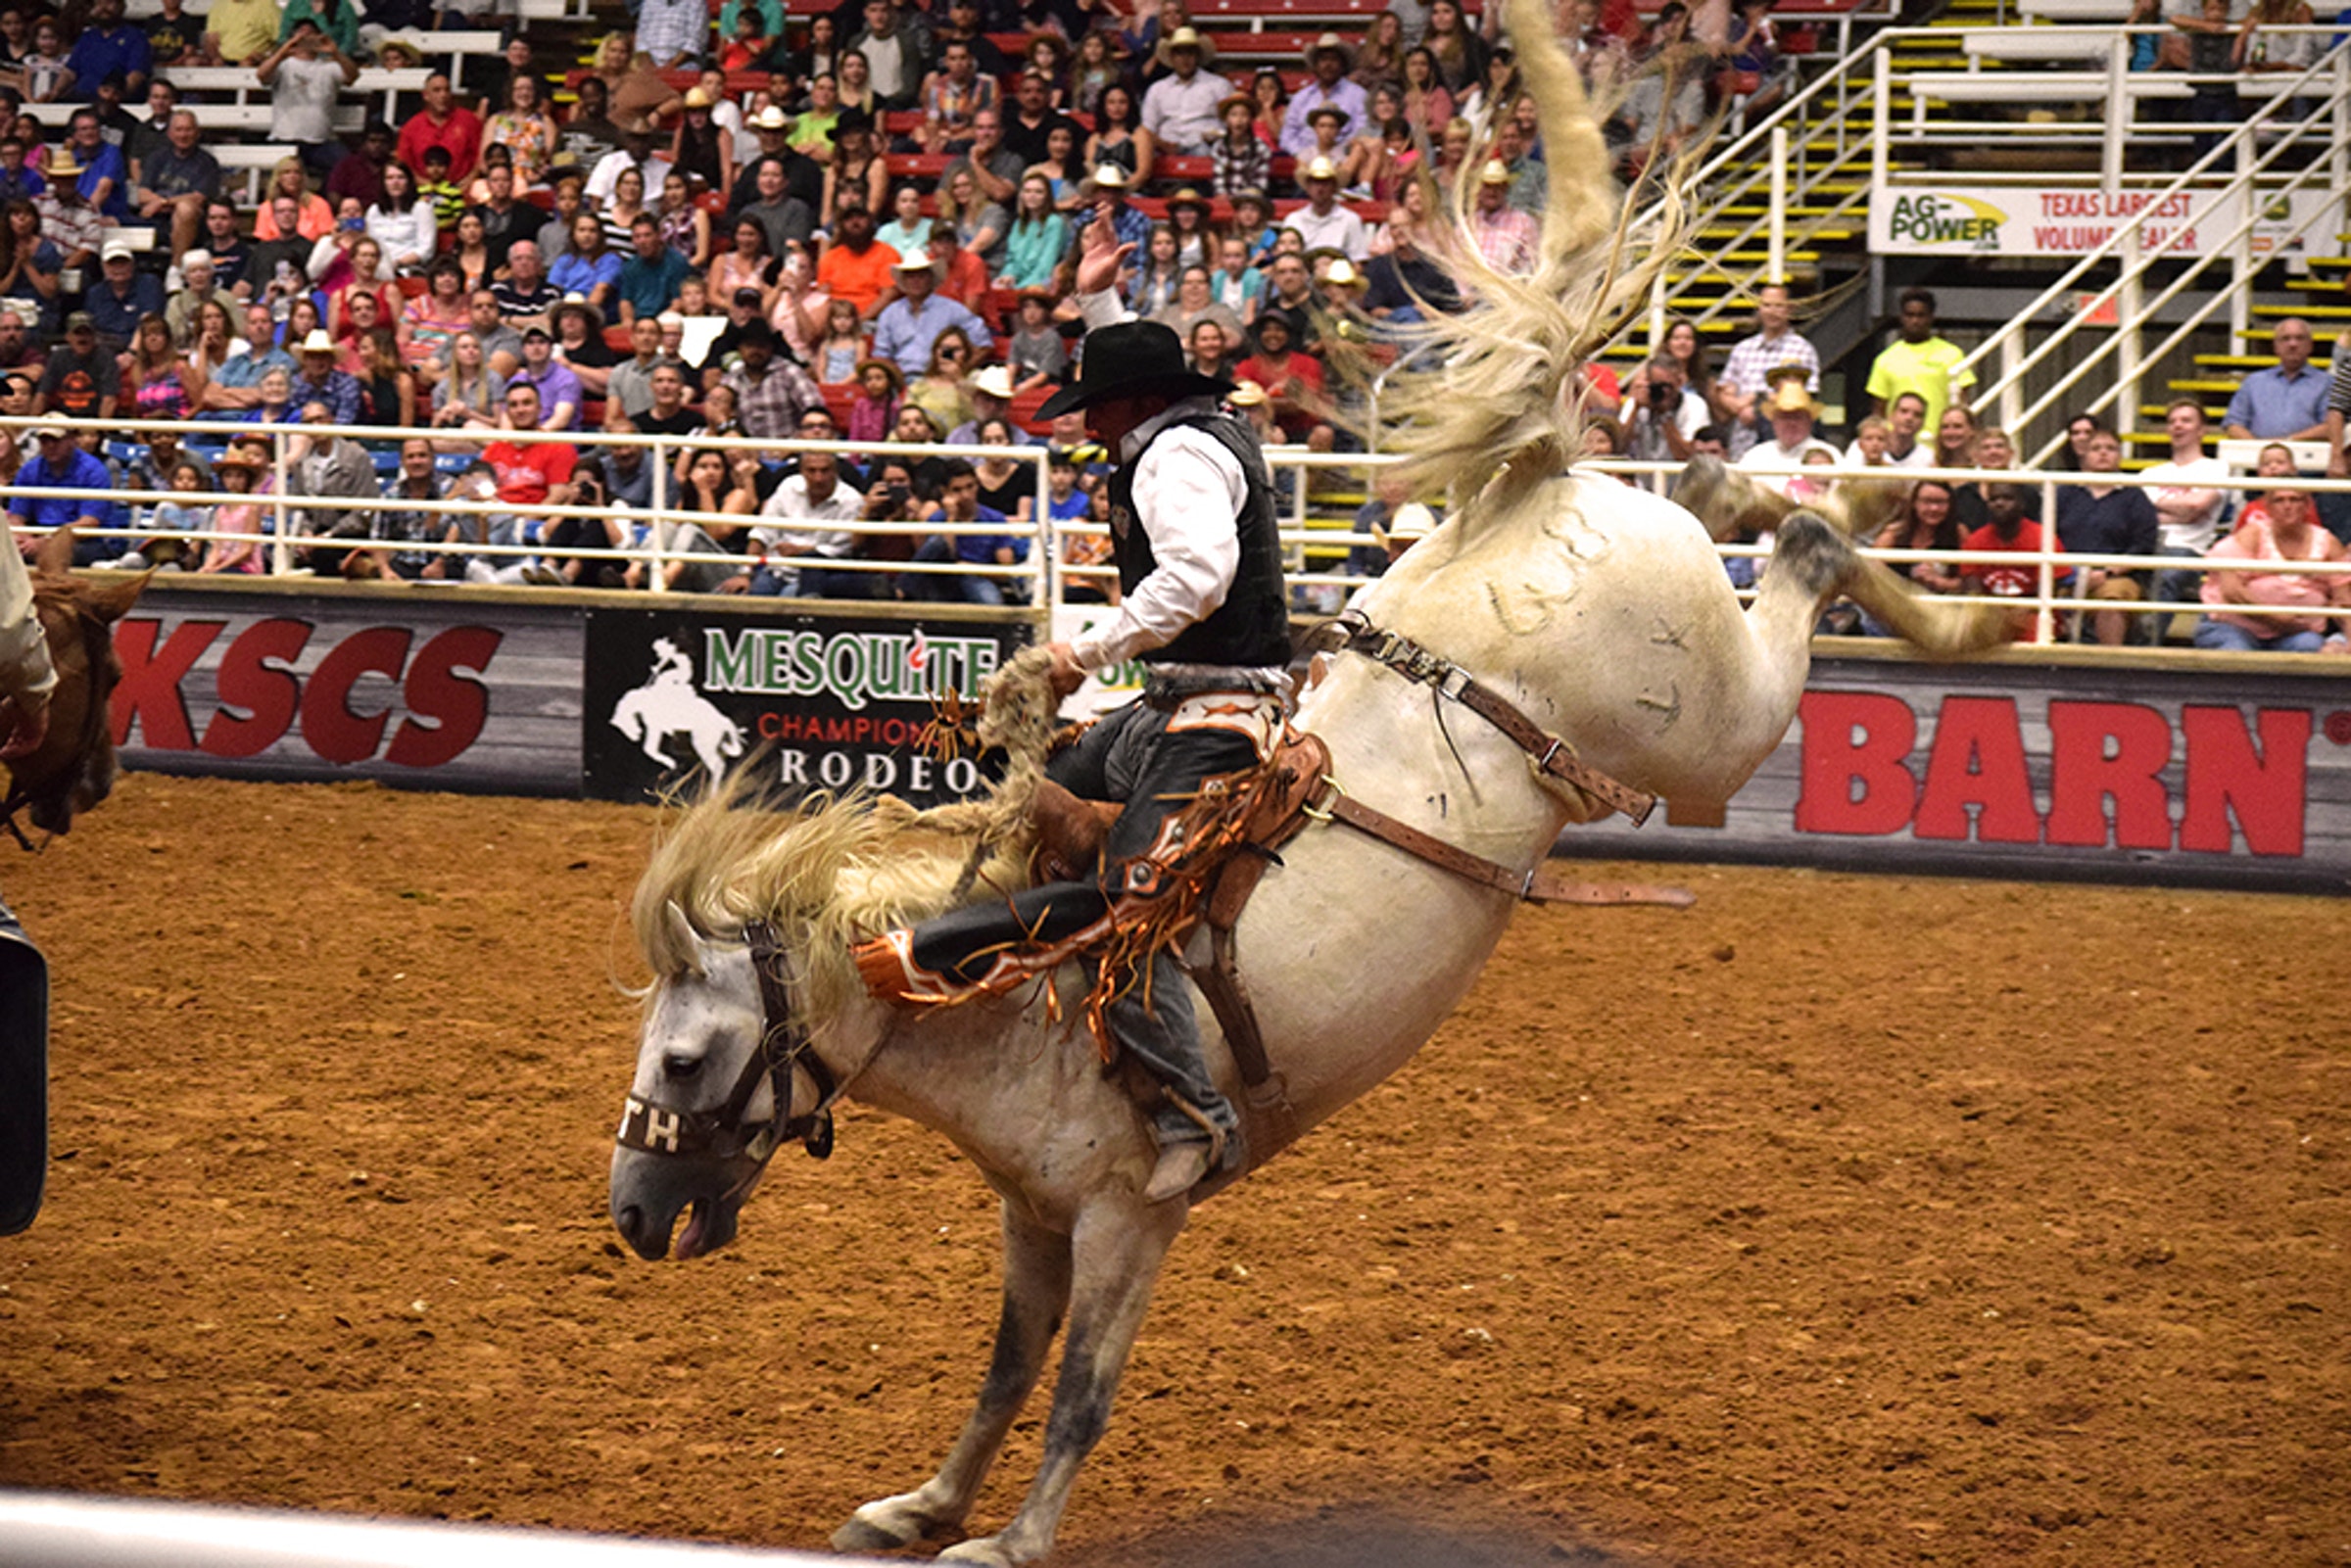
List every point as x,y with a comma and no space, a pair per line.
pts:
1274,802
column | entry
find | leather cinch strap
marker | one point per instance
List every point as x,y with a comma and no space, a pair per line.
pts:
1553,755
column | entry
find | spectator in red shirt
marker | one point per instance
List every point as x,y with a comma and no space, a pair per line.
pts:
2009,529
442,122
1292,380
962,275
530,475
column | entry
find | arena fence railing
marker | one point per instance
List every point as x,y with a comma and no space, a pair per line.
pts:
1041,582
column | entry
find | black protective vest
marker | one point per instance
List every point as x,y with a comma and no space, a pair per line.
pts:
1251,629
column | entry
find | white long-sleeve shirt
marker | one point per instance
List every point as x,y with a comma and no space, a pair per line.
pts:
1188,496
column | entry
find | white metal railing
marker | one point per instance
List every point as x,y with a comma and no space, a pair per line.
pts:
1788,157
1039,583
2325,128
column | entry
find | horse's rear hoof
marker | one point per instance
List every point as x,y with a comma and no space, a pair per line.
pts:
892,1524
860,1539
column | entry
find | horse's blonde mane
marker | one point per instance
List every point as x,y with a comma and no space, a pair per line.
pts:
833,869
1498,397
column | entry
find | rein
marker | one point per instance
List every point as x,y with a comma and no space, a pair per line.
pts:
725,1132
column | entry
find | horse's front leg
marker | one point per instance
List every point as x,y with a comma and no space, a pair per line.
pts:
1118,1249
1036,1292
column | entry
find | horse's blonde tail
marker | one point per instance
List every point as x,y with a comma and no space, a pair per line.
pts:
1500,380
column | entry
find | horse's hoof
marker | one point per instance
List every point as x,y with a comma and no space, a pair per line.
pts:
889,1524
987,1550
858,1538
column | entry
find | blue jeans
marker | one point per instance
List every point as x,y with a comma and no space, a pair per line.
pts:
2223,637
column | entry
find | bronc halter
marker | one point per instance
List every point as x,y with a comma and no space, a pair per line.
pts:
724,1133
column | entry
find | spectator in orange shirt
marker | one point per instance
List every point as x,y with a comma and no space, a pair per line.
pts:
962,277
856,266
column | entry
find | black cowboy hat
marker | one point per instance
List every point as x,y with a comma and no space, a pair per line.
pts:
1133,359
849,120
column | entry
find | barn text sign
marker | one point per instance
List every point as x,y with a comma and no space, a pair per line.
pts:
2101,770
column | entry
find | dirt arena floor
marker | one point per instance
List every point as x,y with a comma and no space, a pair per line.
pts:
1837,1221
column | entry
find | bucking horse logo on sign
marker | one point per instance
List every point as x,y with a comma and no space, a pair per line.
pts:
669,704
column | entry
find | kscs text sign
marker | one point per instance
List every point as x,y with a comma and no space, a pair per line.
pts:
439,691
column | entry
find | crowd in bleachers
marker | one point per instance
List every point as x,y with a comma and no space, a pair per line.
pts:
860,226
859,229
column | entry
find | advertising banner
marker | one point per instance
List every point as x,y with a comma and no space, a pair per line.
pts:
2104,770
1964,220
443,689
839,700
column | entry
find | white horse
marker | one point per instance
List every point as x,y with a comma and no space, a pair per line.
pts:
1601,612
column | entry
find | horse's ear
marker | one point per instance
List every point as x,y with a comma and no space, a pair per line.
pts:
55,558
682,932
111,598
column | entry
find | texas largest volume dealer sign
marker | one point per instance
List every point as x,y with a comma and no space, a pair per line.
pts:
2227,772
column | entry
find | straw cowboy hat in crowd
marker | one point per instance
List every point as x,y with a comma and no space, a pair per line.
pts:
993,380
1186,38
1788,393
1412,523
1330,43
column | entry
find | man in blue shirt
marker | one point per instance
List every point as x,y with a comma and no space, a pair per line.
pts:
649,277
108,45
911,323
105,177
121,295
2287,403
959,503
63,465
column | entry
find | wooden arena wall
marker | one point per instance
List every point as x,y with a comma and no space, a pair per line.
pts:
2193,768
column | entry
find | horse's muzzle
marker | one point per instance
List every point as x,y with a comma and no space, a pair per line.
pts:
649,1193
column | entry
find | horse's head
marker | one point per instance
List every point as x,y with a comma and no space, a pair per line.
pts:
703,1113
73,768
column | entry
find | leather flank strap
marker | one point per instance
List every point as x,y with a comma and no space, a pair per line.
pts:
1542,885
1553,755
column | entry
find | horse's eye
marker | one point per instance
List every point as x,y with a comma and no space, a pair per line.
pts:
677,1064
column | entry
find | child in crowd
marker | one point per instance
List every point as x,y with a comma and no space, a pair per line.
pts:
750,47
1037,354
842,346
17,178
436,187
1252,225
1235,284
1240,162
880,389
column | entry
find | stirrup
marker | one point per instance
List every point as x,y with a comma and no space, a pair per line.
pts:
1184,1165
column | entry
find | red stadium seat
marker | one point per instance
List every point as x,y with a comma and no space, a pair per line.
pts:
916,166
616,338
1024,410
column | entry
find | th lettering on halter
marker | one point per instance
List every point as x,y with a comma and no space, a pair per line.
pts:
726,1132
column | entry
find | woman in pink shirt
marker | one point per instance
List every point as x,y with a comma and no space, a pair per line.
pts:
2286,532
